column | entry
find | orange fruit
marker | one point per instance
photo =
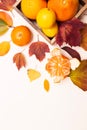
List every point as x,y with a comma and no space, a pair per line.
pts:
30,8
58,66
6,18
64,9
21,35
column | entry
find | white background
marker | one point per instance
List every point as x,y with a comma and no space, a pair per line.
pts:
27,106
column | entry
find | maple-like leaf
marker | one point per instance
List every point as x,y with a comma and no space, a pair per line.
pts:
38,49
20,60
69,32
7,4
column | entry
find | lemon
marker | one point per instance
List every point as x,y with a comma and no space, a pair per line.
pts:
52,31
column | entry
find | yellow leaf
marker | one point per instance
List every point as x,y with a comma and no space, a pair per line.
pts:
4,48
46,85
33,74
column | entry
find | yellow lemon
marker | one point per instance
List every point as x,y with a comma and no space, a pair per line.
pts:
52,31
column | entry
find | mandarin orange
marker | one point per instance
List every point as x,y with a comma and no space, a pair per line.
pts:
30,8
21,35
64,9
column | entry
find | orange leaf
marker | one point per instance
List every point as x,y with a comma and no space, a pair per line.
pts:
19,59
46,85
7,4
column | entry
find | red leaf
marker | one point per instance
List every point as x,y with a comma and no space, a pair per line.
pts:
69,32
38,48
7,4
19,59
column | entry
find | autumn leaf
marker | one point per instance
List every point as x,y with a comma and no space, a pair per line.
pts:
33,74
38,49
3,27
4,48
19,60
73,53
46,85
7,4
83,43
69,32
79,75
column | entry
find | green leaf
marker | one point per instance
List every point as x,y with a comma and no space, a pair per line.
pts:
79,76
3,27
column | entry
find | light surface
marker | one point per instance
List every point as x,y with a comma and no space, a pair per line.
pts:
27,106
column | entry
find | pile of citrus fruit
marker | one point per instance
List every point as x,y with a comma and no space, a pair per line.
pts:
47,13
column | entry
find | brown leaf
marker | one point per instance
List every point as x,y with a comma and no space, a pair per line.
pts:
7,4
19,59
69,32
83,43
38,49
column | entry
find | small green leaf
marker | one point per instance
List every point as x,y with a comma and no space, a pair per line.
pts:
3,27
79,75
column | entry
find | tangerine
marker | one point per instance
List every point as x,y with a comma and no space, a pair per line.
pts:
21,35
30,8
64,9
58,66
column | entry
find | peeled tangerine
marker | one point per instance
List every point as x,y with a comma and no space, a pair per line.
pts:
4,48
58,67
64,9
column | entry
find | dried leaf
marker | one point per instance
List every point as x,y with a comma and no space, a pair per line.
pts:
79,75
38,49
3,27
20,60
46,85
7,4
83,43
72,52
33,74
4,48
69,32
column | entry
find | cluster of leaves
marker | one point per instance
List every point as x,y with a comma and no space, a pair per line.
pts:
36,48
